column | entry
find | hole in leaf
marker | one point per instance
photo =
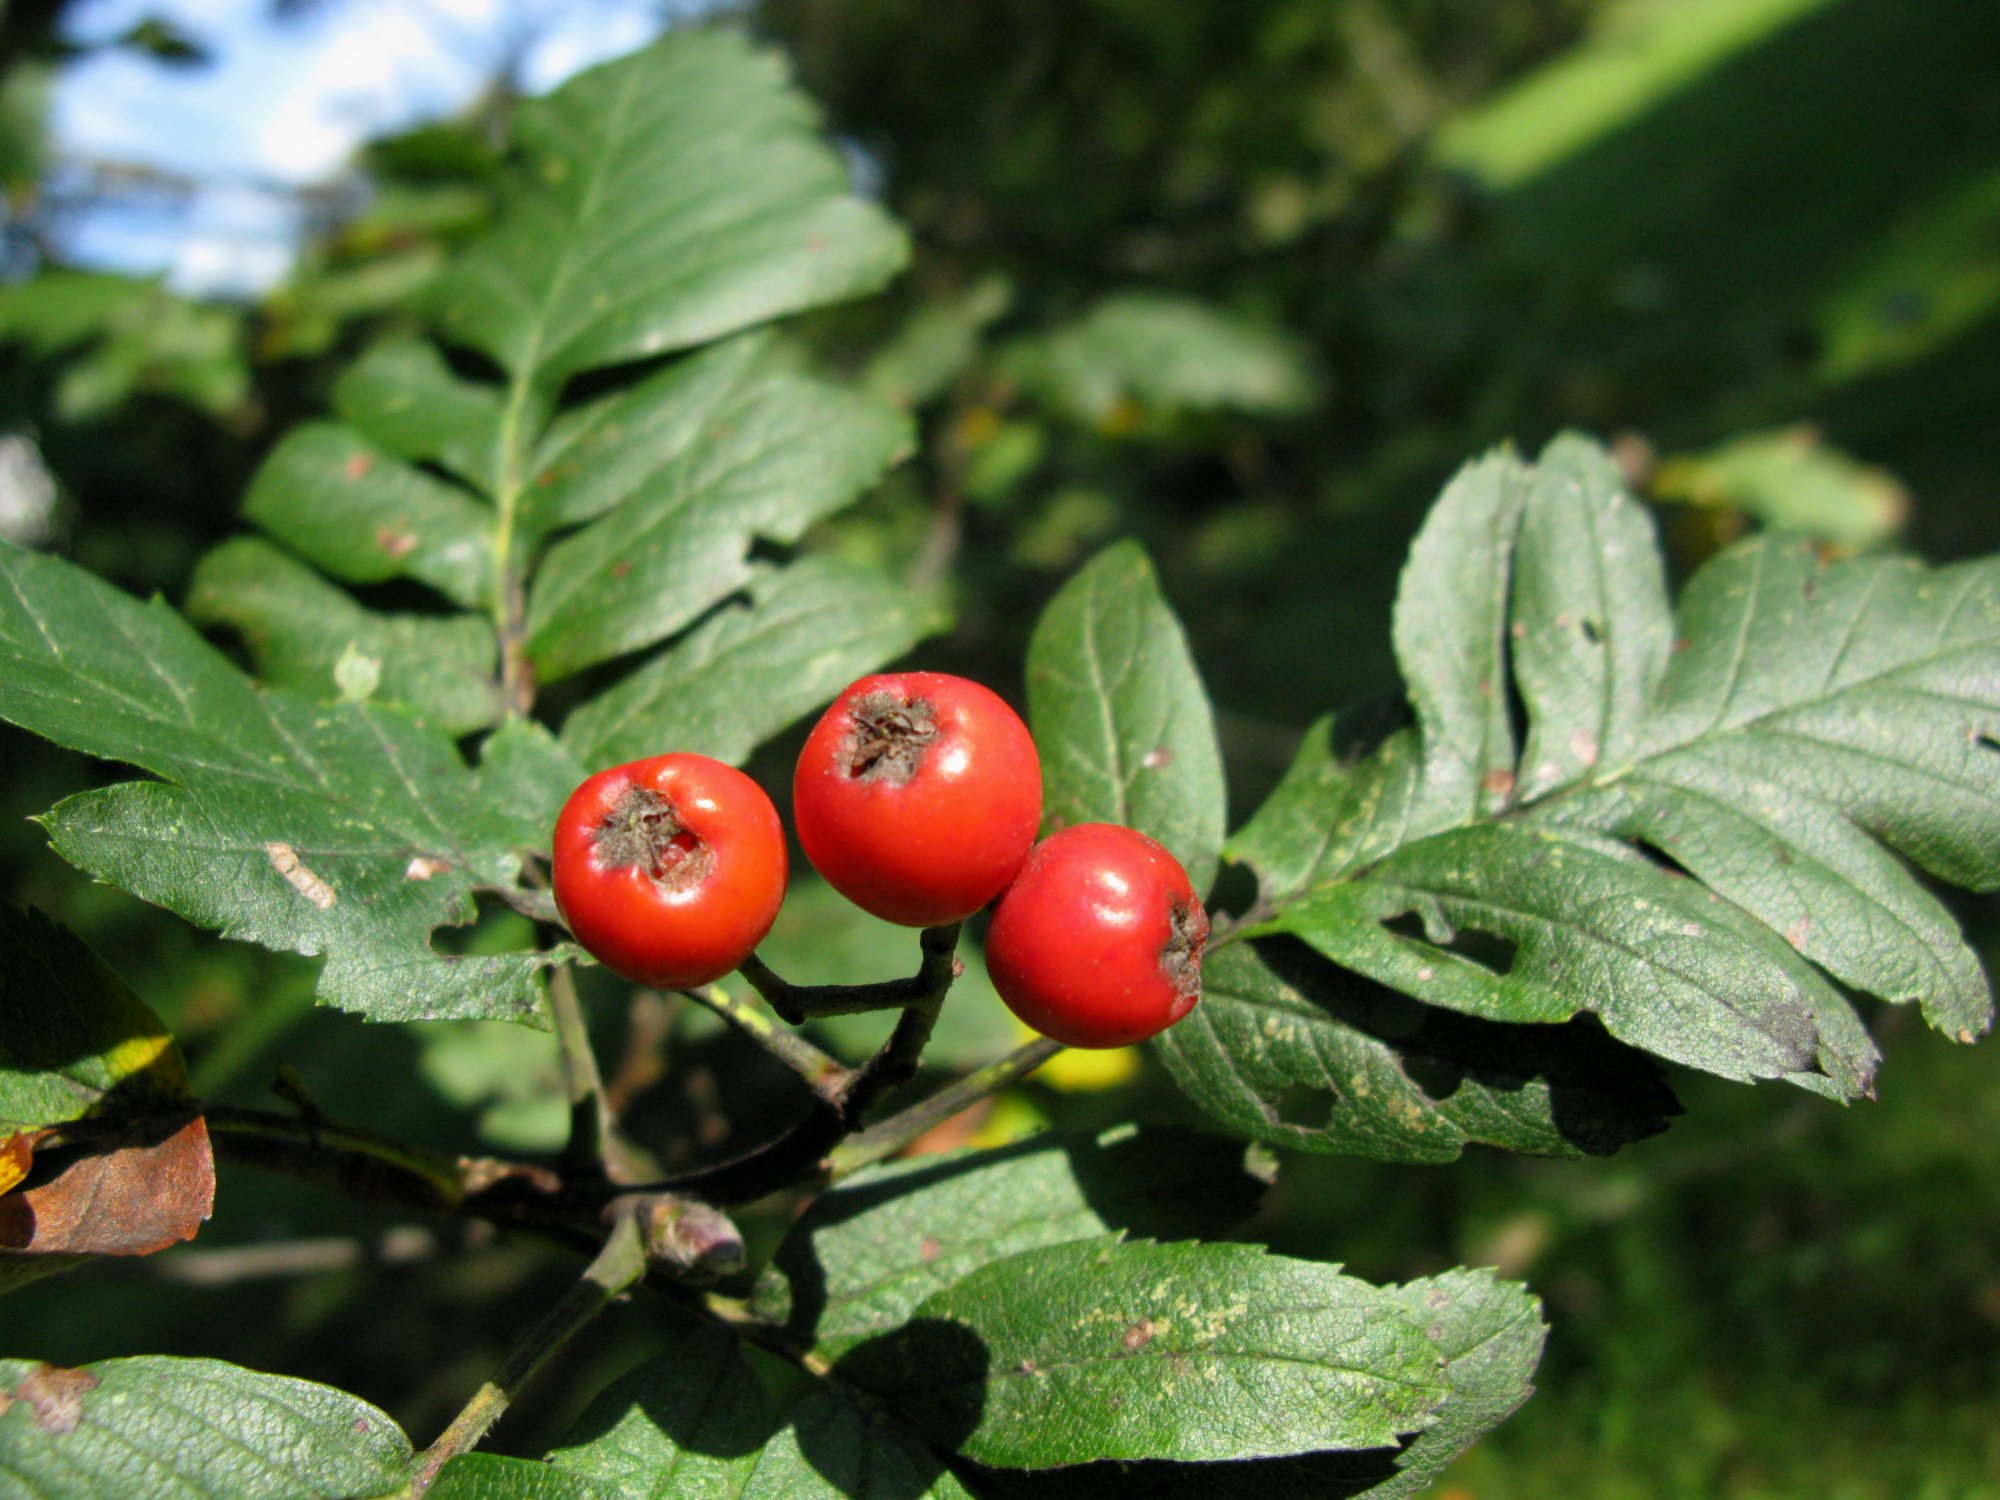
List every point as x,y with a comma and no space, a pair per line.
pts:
1435,1076
1489,950
1660,859
1987,742
1517,706
497,928
1591,633
1305,1106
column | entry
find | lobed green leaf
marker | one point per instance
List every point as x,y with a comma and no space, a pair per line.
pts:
345,830
1795,734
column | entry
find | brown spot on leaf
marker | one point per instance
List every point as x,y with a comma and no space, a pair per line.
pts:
395,543
357,466
423,868
1158,758
928,1249
1796,933
1437,1299
620,568
55,1395
1583,745
1498,783
1139,1335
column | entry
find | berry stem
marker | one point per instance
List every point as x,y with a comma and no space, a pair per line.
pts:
799,1155
890,1136
798,1003
824,1075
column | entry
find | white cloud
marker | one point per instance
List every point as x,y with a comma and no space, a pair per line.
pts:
288,102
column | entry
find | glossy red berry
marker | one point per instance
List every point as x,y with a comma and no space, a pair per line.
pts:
917,796
669,870
1098,941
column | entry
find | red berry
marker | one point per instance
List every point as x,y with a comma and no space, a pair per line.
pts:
1098,941
669,870
917,796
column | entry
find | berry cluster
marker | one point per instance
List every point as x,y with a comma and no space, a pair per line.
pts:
917,797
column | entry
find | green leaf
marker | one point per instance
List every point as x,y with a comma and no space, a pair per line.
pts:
188,1429
491,1476
1286,1049
1122,721
697,1422
1096,1349
871,1249
1451,639
935,344
364,516
1790,480
1783,739
525,776
676,195
760,453
73,1038
755,666
693,1422
345,830
1490,1333
299,628
1167,353
120,335
834,1449
402,396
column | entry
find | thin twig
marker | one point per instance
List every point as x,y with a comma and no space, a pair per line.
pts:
824,1075
797,1155
893,1134
686,1239
618,1266
800,1002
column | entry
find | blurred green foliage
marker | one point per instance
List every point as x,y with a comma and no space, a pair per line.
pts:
1245,280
